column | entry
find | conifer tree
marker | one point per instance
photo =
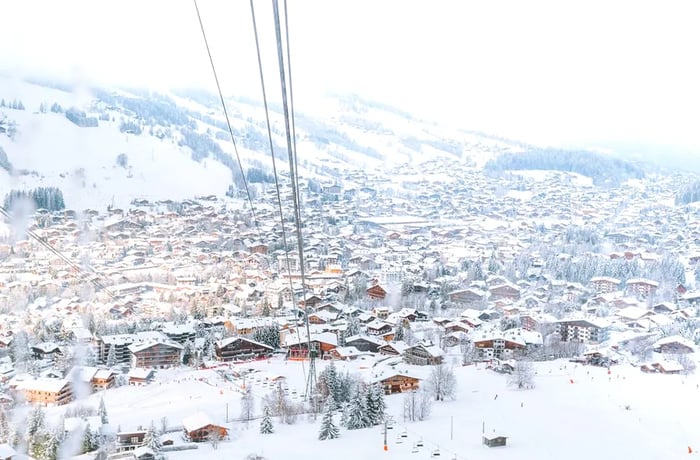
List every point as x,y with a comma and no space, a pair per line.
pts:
357,411
375,404
328,428
35,424
151,439
89,440
266,422
5,433
102,412
112,356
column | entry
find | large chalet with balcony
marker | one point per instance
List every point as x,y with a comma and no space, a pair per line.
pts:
582,330
241,348
156,354
424,354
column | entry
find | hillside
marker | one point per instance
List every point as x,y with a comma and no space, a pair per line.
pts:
176,145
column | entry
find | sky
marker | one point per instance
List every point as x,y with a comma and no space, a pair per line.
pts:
543,71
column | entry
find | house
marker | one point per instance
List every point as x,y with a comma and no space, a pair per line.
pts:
129,440
199,428
47,391
376,292
378,327
470,295
668,367
398,383
46,350
641,287
424,354
144,453
241,348
321,343
156,354
674,344
493,440
582,330
346,353
605,284
497,344
139,377
393,348
364,343
504,291
93,377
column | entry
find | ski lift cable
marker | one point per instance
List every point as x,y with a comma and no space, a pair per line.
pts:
274,166
228,123
295,189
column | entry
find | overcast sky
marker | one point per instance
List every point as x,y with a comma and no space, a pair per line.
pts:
549,71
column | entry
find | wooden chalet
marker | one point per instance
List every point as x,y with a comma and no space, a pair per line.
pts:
156,354
364,343
345,353
139,376
298,347
241,348
494,441
199,428
423,354
399,383
393,348
46,350
129,440
376,292
378,327
47,391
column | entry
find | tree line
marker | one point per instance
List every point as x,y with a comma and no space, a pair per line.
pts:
50,198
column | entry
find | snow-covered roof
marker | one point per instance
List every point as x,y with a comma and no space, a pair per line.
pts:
136,347
675,339
140,373
6,451
196,421
43,384
229,340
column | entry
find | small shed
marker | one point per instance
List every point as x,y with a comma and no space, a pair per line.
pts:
494,441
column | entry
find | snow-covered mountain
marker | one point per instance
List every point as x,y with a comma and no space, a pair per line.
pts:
111,146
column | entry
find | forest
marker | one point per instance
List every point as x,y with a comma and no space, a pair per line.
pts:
50,198
603,169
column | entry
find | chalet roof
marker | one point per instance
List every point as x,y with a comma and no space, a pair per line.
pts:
146,344
229,340
633,313
366,338
675,339
44,384
348,351
196,421
140,373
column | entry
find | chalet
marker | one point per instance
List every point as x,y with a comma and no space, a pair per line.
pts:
496,344
45,391
321,343
378,327
641,287
393,348
180,333
668,367
129,440
376,292
493,440
424,354
46,350
241,348
455,326
93,378
199,428
675,345
399,383
140,377
345,353
504,291
364,343
156,354
381,312
604,284
470,295
322,317
582,330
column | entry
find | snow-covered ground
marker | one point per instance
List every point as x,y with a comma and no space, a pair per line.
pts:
574,412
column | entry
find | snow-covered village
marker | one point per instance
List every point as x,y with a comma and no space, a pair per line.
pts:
188,274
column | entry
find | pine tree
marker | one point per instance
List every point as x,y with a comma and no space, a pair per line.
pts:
2,103
151,439
36,422
102,412
328,428
357,411
5,433
112,356
375,404
266,422
89,441
49,447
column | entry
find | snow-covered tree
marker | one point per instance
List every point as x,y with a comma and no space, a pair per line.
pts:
375,404
329,384
102,412
90,442
247,404
35,422
151,439
357,416
266,422
328,428
523,375
5,433
112,356
442,382
353,326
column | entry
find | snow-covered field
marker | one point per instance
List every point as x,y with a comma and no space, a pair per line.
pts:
574,412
